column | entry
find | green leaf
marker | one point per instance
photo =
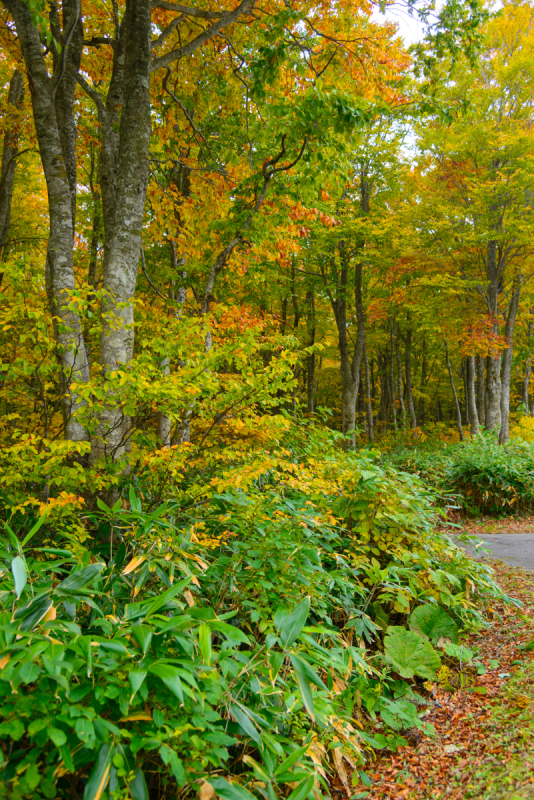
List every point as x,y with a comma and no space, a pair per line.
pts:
230,631
34,530
168,756
170,677
57,736
290,625
98,780
33,612
434,622
303,789
136,678
204,640
138,788
230,791
460,652
79,579
304,686
409,654
20,574
143,636
290,760
245,723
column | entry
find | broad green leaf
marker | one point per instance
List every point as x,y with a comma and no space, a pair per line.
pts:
458,651
290,625
409,654
170,677
20,574
98,780
34,530
57,736
230,791
434,622
33,612
307,670
143,636
204,640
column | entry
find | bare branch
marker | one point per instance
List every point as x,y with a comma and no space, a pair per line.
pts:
198,41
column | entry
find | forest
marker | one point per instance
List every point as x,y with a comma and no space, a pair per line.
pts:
266,329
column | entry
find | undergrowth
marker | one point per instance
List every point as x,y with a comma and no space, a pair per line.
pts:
240,637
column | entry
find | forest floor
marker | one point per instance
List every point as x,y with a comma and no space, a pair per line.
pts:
484,736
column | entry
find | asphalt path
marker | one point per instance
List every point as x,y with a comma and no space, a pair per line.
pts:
513,548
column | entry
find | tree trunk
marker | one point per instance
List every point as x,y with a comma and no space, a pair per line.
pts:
471,396
408,367
392,377
9,160
504,433
59,272
370,425
123,236
310,358
399,384
493,392
481,385
454,395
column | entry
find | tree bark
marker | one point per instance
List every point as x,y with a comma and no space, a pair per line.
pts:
399,384
368,400
408,367
480,364
123,235
454,395
392,377
9,161
471,399
59,272
504,433
310,358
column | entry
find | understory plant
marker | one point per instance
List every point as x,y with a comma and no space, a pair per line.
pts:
248,636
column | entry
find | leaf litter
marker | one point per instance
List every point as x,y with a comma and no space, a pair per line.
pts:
484,735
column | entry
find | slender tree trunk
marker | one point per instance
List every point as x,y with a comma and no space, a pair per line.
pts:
493,392
471,396
454,395
504,433
9,160
408,367
392,377
59,272
481,386
310,358
399,384
368,399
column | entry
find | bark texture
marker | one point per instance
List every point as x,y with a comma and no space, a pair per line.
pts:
59,265
9,160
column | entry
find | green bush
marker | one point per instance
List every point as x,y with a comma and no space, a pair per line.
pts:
479,475
247,639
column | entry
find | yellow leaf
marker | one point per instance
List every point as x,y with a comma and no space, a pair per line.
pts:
134,563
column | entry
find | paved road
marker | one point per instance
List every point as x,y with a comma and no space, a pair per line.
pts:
514,548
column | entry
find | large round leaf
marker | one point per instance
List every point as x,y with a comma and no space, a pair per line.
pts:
409,654
433,622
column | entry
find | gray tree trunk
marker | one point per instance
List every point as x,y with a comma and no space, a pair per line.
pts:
454,395
9,161
408,367
471,399
399,384
126,183
481,387
368,400
59,273
504,433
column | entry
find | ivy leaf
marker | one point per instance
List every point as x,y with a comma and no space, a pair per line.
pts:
409,654
434,622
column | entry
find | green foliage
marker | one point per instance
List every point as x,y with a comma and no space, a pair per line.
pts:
480,475
409,654
433,622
